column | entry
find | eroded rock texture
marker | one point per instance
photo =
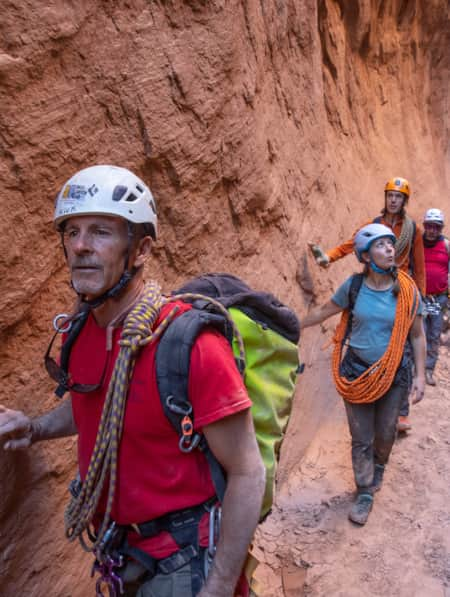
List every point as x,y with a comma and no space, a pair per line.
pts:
259,124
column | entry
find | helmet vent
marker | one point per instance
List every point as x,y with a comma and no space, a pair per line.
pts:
131,198
139,188
119,192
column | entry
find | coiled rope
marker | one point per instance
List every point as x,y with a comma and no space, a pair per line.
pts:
404,241
137,332
378,378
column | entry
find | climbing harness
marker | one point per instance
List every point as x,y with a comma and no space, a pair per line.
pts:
431,306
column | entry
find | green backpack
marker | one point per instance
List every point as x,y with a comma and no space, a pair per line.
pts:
266,353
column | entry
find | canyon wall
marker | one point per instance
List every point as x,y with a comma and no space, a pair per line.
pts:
258,124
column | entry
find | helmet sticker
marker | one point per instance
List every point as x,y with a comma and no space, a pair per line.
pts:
92,190
74,192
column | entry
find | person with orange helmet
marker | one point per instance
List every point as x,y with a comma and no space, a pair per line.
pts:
409,251
409,255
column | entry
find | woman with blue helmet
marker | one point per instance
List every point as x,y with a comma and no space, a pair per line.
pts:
381,312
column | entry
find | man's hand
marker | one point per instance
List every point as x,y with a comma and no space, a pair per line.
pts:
15,429
321,258
418,389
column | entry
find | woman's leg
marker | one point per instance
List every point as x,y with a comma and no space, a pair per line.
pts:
361,421
386,413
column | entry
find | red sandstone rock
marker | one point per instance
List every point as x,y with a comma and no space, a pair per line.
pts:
258,125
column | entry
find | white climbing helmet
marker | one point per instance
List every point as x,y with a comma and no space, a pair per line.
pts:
434,215
369,234
107,190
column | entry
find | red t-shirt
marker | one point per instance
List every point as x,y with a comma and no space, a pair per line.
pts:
154,476
436,267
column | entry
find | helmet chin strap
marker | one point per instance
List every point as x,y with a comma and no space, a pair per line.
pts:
379,270
125,279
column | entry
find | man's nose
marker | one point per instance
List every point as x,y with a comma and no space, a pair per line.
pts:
82,243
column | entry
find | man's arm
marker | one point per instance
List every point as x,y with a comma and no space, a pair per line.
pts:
419,345
419,262
18,431
340,251
233,442
325,258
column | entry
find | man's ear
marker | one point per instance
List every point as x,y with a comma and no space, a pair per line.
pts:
142,251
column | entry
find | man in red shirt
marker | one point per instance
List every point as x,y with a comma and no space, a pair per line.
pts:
152,506
437,267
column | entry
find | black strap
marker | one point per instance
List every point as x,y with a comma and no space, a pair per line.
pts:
182,525
174,523
353,291
77,325
173,357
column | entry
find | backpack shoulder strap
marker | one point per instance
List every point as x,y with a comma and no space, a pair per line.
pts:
66,348
173,358
353,291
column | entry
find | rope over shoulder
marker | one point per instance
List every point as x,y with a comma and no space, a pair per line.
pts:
378,378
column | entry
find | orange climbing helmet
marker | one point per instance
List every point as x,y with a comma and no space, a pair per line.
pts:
398,184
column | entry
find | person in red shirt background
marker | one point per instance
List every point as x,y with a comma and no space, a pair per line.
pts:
437,267
152,506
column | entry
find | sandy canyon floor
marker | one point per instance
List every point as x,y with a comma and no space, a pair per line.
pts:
309,547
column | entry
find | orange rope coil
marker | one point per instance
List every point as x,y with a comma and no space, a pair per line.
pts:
378,378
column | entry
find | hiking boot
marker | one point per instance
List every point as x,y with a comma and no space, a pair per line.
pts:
361,508
378,477
403,424
429,378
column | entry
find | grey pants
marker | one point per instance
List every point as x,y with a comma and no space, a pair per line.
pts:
373,429
184,582
433,328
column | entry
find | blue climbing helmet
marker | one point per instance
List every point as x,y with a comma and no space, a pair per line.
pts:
369,234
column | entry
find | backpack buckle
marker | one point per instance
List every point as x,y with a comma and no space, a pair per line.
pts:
188,440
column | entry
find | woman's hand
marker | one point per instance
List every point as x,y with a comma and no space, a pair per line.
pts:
418,389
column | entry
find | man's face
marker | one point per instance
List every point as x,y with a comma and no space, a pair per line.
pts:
432,230
394,202
96,248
